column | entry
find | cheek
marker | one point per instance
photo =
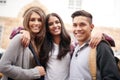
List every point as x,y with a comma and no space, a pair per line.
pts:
60,29
40,26
49,28
40,23
73,30
88,32
29,24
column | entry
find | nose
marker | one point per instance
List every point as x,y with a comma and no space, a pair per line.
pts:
55,25
36,22
78,27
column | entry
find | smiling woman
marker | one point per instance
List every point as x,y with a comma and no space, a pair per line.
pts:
57,52
54,26
35,23
18,62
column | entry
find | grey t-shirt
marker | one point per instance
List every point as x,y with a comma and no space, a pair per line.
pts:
57,69
79,67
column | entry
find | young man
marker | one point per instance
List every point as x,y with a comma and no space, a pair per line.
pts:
79,68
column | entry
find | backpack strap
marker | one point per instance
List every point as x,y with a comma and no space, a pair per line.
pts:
92,63
34,54
36,59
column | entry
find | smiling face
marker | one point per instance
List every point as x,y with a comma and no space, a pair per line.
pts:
82,28
54,26
35,23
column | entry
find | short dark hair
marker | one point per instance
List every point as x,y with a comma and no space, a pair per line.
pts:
82,13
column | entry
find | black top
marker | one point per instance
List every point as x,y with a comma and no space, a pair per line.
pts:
106,63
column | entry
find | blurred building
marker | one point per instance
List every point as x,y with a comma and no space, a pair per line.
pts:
7,24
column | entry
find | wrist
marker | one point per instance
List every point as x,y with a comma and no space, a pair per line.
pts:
103,36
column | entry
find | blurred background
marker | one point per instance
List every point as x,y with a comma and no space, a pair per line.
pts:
106,16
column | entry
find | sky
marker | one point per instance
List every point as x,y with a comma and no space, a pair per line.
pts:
105,12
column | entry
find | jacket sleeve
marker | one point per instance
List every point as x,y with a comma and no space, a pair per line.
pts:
15,32
109,39
7,66
106,63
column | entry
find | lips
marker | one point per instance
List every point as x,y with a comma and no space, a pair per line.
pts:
79,33
56,29
35,27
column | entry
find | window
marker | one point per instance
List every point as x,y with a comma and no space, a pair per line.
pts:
75,4
2,2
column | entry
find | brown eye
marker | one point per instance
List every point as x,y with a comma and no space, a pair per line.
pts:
32,19
57,22
82,24
49,24
74,25
40,20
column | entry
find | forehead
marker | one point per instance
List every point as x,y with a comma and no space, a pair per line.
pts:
53,18
34,14
80,19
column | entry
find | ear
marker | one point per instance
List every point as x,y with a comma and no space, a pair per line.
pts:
92,26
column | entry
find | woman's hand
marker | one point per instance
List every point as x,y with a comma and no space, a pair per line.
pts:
25,38
41,70
95,40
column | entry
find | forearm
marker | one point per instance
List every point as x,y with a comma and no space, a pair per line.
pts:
15,72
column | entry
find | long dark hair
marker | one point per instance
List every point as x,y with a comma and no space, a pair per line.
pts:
64,46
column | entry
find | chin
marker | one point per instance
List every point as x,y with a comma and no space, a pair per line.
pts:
58,33
36,32
80,39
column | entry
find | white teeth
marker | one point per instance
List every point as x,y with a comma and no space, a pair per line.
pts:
35,26
78,33
56,30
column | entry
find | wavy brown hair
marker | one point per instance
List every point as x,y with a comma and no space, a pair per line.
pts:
39,38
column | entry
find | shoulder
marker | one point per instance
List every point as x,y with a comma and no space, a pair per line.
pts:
16,41
103,43
104,48
17,38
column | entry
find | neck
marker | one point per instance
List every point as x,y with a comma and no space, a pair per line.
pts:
82,42
57,39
